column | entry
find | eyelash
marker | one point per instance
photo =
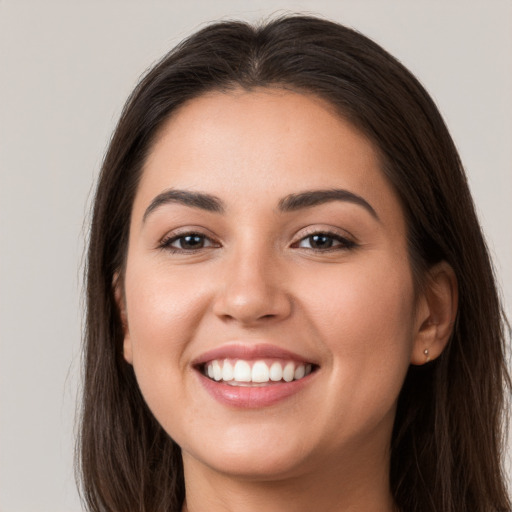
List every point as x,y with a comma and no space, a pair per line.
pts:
343,243
167,242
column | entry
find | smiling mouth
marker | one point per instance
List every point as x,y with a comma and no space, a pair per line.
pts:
245,373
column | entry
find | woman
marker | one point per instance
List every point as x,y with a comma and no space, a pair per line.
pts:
290,302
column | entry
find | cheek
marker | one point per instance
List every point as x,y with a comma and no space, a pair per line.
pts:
365,317
163,313
370,302
381,312
161,306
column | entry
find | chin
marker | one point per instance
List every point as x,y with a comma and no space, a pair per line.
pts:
252,456
262,467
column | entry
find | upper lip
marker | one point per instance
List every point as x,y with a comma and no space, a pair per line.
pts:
249,352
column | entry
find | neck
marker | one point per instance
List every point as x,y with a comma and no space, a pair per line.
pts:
345,488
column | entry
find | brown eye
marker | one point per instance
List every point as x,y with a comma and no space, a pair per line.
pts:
325,241
320,241
187,242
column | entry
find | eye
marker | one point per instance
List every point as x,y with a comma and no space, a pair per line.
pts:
324,242
187,242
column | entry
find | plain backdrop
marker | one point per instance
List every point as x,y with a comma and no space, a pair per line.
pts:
67,67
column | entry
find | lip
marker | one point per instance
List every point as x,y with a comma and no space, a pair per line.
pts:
250,352
251,397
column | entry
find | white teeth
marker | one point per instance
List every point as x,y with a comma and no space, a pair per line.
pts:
260,373
217,371
300,371
276,372
288,372
242,372
227,371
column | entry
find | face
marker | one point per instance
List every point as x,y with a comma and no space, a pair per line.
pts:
268,297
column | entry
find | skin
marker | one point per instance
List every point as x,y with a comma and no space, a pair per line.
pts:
351,309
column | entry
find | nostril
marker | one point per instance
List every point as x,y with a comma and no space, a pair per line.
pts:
250,302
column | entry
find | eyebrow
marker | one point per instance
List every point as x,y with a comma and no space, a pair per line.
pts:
193,199
290,203
312,198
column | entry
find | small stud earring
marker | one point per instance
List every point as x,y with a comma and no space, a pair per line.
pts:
427,354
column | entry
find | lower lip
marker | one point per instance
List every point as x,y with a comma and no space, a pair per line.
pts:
253,396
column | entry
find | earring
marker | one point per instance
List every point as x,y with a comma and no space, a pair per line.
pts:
427,354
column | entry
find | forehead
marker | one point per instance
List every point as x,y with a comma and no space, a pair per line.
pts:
262,144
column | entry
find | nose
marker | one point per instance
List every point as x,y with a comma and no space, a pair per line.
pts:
252,291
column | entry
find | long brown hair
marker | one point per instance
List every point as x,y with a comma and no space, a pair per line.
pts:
447,439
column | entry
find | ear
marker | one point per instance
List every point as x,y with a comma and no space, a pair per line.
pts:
117,284
436,312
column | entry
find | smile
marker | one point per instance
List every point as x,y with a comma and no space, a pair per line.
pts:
261,372
254,375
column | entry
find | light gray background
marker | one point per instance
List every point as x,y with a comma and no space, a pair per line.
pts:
66,69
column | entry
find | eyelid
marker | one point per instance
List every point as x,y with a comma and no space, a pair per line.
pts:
165,242
326,230
346,239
